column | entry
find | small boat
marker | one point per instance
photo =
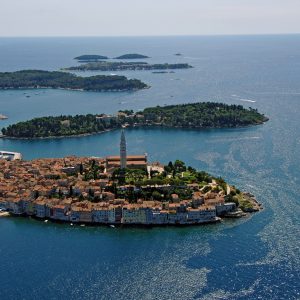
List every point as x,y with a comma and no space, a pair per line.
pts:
46,221
82,225
3,117
112,226
71,224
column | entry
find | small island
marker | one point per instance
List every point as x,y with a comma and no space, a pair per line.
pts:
89,57
193,115
121,66
118,191
132,56
37,79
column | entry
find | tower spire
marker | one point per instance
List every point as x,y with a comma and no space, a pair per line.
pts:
123,154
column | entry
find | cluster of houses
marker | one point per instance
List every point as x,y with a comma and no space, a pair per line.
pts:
56,189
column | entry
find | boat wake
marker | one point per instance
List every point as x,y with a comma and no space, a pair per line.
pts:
247,100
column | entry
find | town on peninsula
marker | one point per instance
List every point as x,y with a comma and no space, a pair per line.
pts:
117,190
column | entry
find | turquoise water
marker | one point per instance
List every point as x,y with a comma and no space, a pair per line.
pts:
254,258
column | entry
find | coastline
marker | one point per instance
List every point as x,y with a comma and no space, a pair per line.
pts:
77,90
112,224
56,137
234,215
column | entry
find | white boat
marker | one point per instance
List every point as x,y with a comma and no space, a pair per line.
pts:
3,117
46,221
112,226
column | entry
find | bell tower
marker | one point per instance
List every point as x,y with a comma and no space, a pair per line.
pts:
123,153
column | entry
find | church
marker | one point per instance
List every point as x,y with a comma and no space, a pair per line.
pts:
126,161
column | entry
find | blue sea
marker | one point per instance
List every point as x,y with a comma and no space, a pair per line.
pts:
253,258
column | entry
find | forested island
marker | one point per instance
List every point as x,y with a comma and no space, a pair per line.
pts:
120,66
132,56
194,115
35,79
89,57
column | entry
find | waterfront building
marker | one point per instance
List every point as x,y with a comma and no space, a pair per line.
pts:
15,206
160,217
224,208
28,207
133,214
100,214
60,212
200,215
40,207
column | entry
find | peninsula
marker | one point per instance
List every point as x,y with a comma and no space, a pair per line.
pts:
194,115
120,66
37,79
132,56
118,190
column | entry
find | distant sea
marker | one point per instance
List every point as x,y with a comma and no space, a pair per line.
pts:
252,258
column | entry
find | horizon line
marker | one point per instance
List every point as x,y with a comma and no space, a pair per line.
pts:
146,36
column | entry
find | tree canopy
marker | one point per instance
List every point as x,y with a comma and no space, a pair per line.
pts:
132,56
119,66
54,79
193,115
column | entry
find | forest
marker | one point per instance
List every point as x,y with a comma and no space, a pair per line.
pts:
63,80
193,115
119,66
